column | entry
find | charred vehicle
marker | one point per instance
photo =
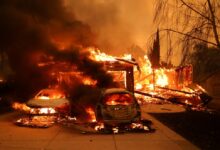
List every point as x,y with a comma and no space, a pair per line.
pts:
44,109
117,106
50,98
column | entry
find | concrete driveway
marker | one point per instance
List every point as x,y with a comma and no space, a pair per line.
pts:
60,137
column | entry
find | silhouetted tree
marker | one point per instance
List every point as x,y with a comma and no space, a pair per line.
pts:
188,23
205,61
154,54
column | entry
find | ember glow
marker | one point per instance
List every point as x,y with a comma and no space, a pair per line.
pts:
36,121
139,126
99,126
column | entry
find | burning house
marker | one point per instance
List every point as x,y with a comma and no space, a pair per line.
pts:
48,48
170,86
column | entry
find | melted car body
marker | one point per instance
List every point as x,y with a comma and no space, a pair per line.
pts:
117,106
50,98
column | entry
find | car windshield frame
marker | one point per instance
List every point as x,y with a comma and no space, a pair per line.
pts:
113,99
50,94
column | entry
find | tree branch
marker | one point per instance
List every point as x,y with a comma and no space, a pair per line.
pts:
196,11
171,30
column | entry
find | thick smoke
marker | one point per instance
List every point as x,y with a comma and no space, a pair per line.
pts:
32,30
118,24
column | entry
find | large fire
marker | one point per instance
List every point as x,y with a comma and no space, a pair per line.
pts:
153,84
149,85
148,77
101,56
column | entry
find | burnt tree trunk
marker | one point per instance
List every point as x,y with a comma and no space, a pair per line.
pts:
213,22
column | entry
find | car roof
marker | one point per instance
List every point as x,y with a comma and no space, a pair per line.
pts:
50,91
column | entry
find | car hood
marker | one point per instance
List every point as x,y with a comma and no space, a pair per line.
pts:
47,103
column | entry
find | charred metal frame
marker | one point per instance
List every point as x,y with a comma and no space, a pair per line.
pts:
122,66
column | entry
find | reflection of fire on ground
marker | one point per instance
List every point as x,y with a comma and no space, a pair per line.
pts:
150,86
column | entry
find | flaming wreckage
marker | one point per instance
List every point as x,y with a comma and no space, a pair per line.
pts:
118,108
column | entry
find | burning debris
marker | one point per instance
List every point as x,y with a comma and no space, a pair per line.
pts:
144,126
117,110
36,121
44,109
159,85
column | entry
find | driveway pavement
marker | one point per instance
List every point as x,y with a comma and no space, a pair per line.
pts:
60,137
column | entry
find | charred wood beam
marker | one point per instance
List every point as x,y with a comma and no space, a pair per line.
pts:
150,95
129,62
173,100
174,90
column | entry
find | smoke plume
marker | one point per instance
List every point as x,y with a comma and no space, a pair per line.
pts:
119,25
35,30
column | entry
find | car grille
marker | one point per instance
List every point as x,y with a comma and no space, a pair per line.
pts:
121,112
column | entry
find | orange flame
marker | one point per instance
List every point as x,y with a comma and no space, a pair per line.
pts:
118,99
161,78
21,107
88,81
24,108
97,55
50,94
91,113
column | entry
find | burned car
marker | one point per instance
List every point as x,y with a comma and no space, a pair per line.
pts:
42,111
117,106
49,99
